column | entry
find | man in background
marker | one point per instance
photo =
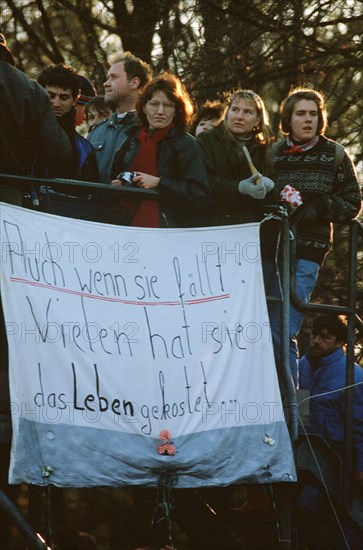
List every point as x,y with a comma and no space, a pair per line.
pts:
126,78
63,87
323,371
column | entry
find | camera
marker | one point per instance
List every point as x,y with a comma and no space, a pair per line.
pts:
126,178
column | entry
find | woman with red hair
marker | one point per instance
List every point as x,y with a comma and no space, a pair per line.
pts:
160,155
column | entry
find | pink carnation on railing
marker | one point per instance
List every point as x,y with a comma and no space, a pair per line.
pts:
167,447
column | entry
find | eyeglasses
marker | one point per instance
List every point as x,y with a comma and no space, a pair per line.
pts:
154,105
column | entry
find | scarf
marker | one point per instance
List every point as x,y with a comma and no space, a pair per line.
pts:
301,147
146,158
146,212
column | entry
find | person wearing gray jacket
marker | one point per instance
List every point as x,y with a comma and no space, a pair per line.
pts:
126,78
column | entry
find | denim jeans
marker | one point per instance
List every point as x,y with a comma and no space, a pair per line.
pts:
305,281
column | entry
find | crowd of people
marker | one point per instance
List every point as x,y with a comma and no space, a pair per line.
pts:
143,132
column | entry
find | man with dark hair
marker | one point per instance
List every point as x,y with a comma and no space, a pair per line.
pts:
126,78
61,76
63,86
322,371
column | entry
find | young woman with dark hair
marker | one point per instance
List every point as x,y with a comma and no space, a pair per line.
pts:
323,173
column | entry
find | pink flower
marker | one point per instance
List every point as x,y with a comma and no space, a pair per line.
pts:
165,435
163,449
171,449
167,447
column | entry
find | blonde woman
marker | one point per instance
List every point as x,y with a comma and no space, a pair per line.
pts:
235,194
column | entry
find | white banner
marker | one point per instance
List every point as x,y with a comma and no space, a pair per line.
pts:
116,334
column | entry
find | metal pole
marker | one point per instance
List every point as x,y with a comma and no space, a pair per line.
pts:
34,539
283,491
285,330
58,182
349,380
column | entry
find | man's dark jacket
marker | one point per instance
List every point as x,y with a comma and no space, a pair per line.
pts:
28,128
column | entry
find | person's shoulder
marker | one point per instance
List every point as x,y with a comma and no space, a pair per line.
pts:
81,138
208,136
358,374
114,122
305,373
329,143
84,144
180,140
23,90
203,137
259,146
12,74
111,121
183,144
128,120
323,139
182,136
277,146
304,361
100,130
334,148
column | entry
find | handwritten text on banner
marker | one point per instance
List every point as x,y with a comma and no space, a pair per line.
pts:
116,333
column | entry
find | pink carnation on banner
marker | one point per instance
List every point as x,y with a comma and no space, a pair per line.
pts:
167,447
165,435
171,449
163,449
291,195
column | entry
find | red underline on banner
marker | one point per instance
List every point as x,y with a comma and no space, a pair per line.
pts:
119,300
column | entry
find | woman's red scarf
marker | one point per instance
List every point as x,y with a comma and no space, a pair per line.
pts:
147,211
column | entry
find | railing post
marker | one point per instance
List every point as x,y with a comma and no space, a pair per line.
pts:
34,540
283,491
349,379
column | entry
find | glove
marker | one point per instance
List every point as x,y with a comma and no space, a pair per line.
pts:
268,184
308,213
248,187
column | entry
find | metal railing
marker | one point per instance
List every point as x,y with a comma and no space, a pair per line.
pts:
350,311
57,183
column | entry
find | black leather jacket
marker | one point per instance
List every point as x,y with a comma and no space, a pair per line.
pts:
184,188
28,129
